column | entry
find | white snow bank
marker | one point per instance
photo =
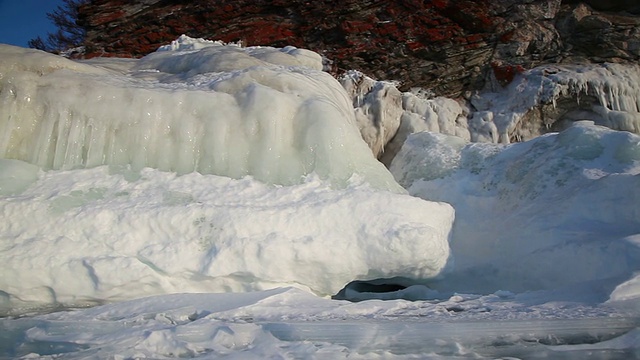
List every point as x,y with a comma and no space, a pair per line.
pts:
193,106
546,213
289,323
110,233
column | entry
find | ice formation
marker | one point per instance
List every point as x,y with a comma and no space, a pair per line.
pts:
544,99
129,167
550,97
378,107
386,116
191,106
523,210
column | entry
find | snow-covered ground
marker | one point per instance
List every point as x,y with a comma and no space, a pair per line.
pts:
215,201
286,323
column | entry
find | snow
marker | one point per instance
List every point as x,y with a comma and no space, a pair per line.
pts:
218,201
290,323
119,200
521,209
122,234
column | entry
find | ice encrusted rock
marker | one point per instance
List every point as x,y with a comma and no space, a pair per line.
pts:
547,98
386,116
378,108
551,97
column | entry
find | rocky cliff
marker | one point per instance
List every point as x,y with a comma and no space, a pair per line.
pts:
446,46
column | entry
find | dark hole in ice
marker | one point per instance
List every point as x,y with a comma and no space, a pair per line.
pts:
359,290
375,288
455,309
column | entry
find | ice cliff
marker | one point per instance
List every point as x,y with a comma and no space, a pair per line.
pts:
226,110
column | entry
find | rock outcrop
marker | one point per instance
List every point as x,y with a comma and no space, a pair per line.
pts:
446,46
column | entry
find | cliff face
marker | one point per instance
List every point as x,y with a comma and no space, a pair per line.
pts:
447,46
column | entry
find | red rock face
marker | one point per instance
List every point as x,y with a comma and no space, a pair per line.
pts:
444,45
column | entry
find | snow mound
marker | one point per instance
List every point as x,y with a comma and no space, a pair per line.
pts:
112,233
550,212
192,106
186,43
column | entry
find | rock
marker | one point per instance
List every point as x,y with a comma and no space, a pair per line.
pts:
449,47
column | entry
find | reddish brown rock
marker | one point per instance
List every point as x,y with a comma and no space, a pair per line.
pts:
444,45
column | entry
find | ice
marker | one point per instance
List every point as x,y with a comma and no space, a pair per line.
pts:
543,99
208,61
386,116
201,167
16,176
378,107
553,96
186,43
226,110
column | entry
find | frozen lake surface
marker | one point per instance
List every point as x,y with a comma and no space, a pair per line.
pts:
290,323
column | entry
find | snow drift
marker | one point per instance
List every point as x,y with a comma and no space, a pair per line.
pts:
118,234
552,212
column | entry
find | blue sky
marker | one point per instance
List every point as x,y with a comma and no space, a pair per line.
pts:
22,20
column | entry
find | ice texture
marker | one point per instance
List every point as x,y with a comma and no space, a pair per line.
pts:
552,96
387,116
212,108
201,167
289,323
545,99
